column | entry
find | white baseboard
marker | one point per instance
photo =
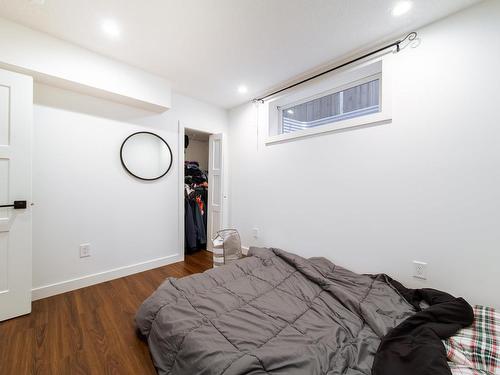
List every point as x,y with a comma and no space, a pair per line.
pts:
100,277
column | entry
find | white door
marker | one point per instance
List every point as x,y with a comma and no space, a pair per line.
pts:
215,187
16,112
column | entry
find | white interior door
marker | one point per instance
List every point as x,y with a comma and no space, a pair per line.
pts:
215,187
16,113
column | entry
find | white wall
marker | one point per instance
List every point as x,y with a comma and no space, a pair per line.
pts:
63,64
198,151
425,187
83,195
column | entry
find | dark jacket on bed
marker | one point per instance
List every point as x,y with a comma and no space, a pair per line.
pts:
414,347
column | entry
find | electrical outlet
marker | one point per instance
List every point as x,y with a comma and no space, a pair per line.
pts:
255,232
420,270
84,250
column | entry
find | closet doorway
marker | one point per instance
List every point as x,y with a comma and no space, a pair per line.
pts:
201,178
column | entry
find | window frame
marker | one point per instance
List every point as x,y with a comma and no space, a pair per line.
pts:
341,81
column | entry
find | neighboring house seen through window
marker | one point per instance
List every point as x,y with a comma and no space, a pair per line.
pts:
356,101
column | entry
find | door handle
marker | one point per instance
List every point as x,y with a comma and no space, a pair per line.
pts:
18,205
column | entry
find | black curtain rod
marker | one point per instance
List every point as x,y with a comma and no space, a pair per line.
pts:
411,36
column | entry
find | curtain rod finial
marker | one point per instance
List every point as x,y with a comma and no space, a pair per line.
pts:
410,37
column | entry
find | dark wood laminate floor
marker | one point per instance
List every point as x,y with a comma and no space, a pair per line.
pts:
90,330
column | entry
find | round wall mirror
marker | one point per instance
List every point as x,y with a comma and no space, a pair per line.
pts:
146,156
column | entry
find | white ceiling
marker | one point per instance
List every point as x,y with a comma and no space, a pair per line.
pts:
207,48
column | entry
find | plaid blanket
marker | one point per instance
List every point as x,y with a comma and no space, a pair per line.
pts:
474,350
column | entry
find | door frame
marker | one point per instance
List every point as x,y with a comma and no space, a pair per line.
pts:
180,164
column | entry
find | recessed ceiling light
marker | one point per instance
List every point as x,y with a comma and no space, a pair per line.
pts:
242,89
110,28
401,8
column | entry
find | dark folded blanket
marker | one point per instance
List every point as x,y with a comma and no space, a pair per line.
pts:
414,347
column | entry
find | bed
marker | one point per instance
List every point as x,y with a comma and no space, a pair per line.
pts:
274,312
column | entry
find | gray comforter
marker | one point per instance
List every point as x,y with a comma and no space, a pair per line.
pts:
270,313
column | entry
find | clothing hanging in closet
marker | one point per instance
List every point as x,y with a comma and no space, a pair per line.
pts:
195,206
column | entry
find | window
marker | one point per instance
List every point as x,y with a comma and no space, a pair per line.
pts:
356,101
351,98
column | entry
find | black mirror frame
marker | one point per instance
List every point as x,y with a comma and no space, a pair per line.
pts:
142,178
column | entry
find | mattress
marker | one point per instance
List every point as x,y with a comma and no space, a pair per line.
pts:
278,313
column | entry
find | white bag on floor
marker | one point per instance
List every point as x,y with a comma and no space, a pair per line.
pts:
226,247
